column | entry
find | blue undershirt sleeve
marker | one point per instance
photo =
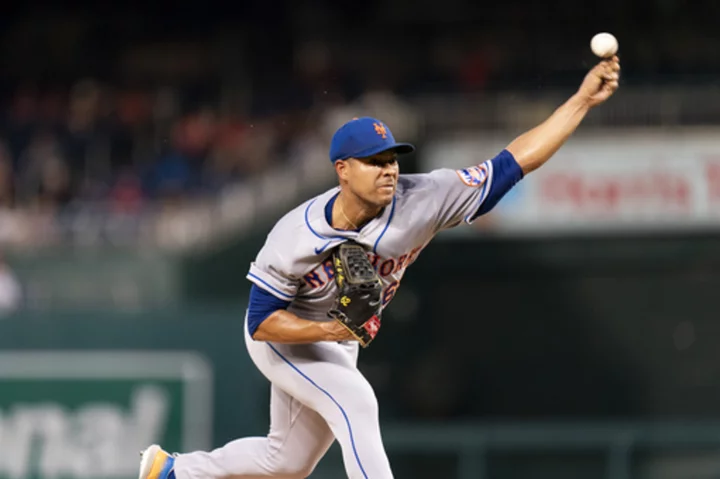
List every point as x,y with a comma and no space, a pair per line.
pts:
262,305
506,173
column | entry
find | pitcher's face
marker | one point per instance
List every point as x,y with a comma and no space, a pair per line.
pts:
372,179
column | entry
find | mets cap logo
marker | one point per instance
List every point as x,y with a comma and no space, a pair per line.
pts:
380,130
473,176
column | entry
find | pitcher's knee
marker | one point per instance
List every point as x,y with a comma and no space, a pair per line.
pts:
291,464
292,469
362,402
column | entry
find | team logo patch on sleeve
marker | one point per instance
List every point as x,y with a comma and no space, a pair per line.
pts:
473,176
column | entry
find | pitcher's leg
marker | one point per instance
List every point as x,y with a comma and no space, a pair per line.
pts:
345,399
323,377
298,439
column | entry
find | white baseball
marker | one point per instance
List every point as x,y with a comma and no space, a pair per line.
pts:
604,45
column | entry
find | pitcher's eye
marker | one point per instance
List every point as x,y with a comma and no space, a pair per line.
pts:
383,162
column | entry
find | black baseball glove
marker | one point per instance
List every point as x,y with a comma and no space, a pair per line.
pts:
357,306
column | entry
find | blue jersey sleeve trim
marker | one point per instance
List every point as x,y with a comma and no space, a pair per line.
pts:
262,304
506,173
269,286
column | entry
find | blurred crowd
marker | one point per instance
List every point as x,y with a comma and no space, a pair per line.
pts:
97,150
122,148
93,143
120,109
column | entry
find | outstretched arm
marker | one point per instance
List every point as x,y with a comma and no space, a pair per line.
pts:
534,147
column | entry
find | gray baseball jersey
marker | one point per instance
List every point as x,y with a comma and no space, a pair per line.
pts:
294,263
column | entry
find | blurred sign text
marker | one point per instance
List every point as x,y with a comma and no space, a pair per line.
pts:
606,180
75,415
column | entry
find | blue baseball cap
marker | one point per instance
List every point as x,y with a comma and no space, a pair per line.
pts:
363,137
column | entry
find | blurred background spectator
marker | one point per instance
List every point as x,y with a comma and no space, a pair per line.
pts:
10,291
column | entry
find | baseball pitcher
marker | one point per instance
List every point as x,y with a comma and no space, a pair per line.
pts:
326,273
